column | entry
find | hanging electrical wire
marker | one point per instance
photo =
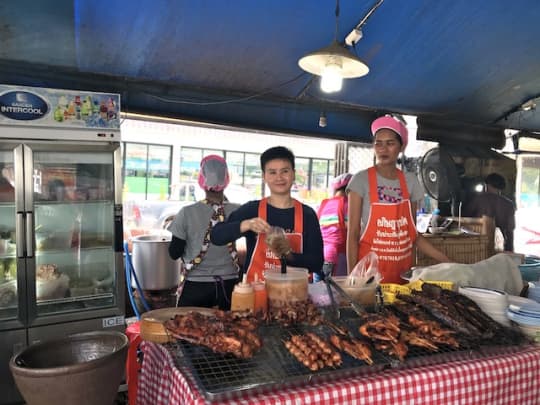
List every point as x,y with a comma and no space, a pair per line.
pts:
232,100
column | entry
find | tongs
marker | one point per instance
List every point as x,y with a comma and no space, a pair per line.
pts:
327,270
359,309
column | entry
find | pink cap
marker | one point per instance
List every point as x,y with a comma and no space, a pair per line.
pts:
214,175
392,123
341,181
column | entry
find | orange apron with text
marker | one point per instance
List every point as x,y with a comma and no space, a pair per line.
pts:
263,258
390,231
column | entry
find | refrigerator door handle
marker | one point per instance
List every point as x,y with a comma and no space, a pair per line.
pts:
29,234
19,235
28,180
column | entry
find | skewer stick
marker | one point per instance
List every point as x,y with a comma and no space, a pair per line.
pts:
459,216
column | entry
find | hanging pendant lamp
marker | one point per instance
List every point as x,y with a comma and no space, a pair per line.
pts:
333,63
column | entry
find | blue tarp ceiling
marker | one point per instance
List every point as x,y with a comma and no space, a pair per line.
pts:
470,64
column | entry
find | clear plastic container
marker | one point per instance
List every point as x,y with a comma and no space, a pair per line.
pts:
364,295
283,288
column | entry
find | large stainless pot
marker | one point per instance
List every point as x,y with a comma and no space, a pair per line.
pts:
153,266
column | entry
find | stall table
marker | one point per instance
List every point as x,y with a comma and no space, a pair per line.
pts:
508,378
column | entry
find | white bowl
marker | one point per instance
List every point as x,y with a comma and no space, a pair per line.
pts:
519,301
436,229
488,300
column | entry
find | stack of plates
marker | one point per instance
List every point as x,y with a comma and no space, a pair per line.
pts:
534,291
526,313
492,302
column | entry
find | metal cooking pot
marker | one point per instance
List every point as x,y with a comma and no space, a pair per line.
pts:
153,266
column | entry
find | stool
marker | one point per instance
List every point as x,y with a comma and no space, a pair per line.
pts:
133,366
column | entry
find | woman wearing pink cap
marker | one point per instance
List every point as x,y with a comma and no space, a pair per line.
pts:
211,271
382,200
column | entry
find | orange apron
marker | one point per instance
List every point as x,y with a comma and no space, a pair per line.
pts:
263,258
390,232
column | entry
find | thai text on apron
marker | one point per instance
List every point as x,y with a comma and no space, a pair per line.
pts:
263,258
390,231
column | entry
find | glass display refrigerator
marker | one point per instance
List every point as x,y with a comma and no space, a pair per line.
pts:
61,259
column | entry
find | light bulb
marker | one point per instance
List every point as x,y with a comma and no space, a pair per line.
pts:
322,120
331,78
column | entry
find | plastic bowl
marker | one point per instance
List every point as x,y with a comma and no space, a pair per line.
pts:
530,271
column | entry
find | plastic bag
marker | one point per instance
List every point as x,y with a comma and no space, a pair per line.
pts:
277,241
366,271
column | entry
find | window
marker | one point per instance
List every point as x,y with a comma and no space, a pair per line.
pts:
190,161
159,172
530,182
146,171
235,163
321,175
301,184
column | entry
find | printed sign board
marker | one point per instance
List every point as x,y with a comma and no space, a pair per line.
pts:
21,105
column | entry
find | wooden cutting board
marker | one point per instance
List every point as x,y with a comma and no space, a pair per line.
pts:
152,322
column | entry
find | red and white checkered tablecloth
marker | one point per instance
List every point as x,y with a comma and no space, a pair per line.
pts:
512,378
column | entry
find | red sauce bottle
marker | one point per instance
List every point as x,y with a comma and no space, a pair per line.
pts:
261,298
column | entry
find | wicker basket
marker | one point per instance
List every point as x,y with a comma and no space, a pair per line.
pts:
463,248
458,248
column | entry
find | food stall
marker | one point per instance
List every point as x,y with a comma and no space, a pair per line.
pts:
498,379
494,364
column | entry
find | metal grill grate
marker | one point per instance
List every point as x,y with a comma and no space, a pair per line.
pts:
224,376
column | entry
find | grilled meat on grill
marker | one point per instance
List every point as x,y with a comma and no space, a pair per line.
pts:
291,313
353,347
425,325
221,334
312,351
491,330
446,315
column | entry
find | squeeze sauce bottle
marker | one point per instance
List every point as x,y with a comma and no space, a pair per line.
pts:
261,297
243,296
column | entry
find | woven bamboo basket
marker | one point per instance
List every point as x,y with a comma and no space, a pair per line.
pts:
458,248
463,248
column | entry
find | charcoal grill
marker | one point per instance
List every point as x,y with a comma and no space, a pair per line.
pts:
221,377
225,376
